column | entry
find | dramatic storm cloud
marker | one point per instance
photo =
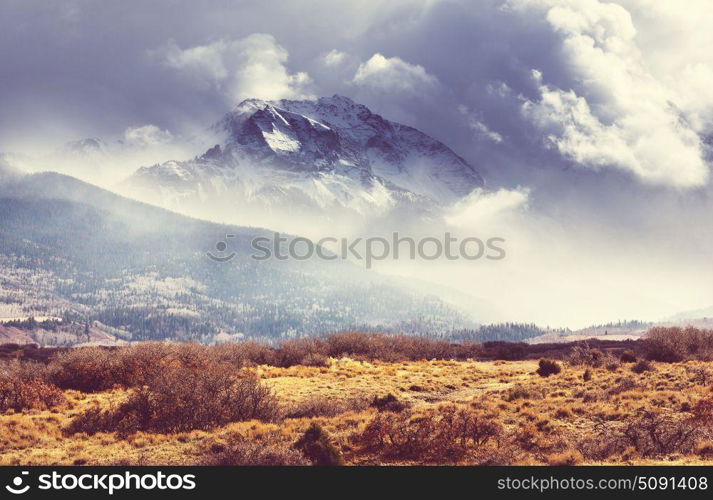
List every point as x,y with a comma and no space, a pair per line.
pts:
253,66
626,117
505,82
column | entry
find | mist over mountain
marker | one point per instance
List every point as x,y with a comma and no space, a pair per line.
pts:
329,154
591,122
70,249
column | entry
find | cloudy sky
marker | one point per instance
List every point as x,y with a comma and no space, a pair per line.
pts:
595,116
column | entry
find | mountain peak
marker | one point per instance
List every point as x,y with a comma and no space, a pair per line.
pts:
329,150
338,99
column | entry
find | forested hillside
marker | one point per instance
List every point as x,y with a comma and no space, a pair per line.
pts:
67,246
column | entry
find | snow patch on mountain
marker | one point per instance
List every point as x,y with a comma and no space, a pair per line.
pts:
329,153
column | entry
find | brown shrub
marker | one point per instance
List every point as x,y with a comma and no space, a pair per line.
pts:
584,355
247,353
624,384
296,352
318,446
394,348
86,369
703,411
613,366
442,435
92,369
92,421
181,399
628,356
315,359
655,434
674,344
563,413
389,403
548,367
520,391
601,446
23,385
263,453
527,437
642,366
648,433
323,406
700,376
507,351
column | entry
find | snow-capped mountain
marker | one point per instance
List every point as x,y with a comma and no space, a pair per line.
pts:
330,153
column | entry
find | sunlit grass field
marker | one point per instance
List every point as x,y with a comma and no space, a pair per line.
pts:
378,412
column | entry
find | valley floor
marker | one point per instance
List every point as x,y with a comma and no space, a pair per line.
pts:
556,420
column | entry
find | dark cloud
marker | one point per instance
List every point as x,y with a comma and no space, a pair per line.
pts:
458,70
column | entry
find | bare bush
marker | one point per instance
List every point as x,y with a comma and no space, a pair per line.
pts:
180,399
648,433
642,366
444,434
520,391
92,369
508,351
389,403
672,344
625,384
323,406
703,412
603,444
656,434
628,356
317,445
315,359
87,369
585,355
258,453
382,347
24,385
548,367
247,353
700,376
296,352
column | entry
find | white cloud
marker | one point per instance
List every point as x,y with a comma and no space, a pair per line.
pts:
481,130
621,114
679,45
393,74
483,208
667,152
334,58
147,135
254,66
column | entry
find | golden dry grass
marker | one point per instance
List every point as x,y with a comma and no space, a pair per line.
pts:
543,417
